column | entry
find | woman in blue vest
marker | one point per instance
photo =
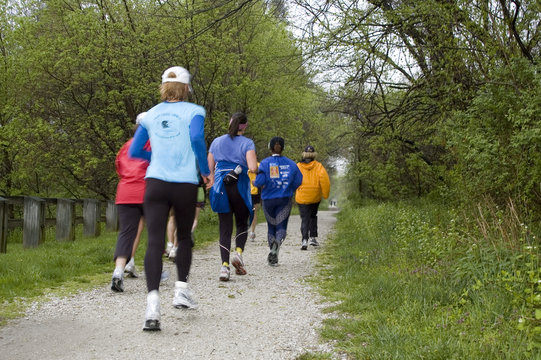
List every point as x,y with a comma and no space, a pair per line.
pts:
278,177
229,159
175,129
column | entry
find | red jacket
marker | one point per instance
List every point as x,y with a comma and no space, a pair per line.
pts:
131,186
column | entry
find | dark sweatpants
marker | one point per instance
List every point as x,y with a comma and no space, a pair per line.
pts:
308,213
242,216
160,196
129,216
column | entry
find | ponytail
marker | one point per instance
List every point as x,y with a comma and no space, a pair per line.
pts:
238,122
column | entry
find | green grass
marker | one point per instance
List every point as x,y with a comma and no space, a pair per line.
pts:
407,287
53,268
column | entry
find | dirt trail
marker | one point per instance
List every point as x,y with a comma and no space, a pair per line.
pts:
270,313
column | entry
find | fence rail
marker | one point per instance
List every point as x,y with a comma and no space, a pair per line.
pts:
32,218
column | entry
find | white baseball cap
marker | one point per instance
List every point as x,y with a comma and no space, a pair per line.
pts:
181,75
140,117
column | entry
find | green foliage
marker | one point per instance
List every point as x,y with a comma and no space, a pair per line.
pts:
497,141
412,281
80,74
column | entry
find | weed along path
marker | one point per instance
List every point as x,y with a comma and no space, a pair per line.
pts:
270,313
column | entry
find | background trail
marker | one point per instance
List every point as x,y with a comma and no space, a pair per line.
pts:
270,313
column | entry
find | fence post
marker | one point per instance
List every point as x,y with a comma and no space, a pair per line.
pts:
65,220
91,218
34,221
111,216
3,225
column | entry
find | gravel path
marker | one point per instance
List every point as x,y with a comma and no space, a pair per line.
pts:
270,313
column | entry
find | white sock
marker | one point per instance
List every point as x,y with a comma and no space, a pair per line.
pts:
181,284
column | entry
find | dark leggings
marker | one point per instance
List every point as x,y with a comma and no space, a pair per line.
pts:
277,214
308,214
160,196
242,215
129,216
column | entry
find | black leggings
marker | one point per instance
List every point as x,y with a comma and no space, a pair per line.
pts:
128,219
160,196
242,215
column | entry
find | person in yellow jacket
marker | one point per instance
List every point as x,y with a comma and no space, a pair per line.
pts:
315,185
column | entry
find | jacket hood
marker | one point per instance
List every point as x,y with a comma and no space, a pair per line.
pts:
307,166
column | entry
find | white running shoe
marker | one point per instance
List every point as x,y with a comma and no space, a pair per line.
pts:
251,235
117,282
152,314
168,248
173,254
236,261
164,276
130,269
224,273
183,296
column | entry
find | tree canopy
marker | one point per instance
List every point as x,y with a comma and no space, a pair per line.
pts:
75,74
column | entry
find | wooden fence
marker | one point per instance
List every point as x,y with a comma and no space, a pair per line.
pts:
34,214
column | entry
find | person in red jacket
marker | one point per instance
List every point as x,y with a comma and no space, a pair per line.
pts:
129,199
315,185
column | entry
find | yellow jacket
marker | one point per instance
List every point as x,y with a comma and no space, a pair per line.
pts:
315,183
251,175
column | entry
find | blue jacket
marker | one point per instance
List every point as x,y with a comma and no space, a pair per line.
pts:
278,176
219,202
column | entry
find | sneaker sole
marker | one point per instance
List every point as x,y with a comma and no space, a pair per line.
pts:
223,278
132,274
152,325
116,285
239,268
272,259
304,247
183,306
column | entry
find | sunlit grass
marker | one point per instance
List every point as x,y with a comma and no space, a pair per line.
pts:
60,268
392,301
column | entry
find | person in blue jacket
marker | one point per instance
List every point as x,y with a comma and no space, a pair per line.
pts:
230,157
278,177
175,129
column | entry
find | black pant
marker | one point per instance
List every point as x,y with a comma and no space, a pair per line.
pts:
242,215
308,214
160,196
128,219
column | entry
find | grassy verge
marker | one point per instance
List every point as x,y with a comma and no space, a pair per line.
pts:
53,268
410,283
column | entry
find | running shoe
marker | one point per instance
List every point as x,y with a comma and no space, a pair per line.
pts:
164,276
130,269
304,244
237,262
251,235
224,273
273,254
313,242
117,282
183,297
152,314
173,254
168,248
